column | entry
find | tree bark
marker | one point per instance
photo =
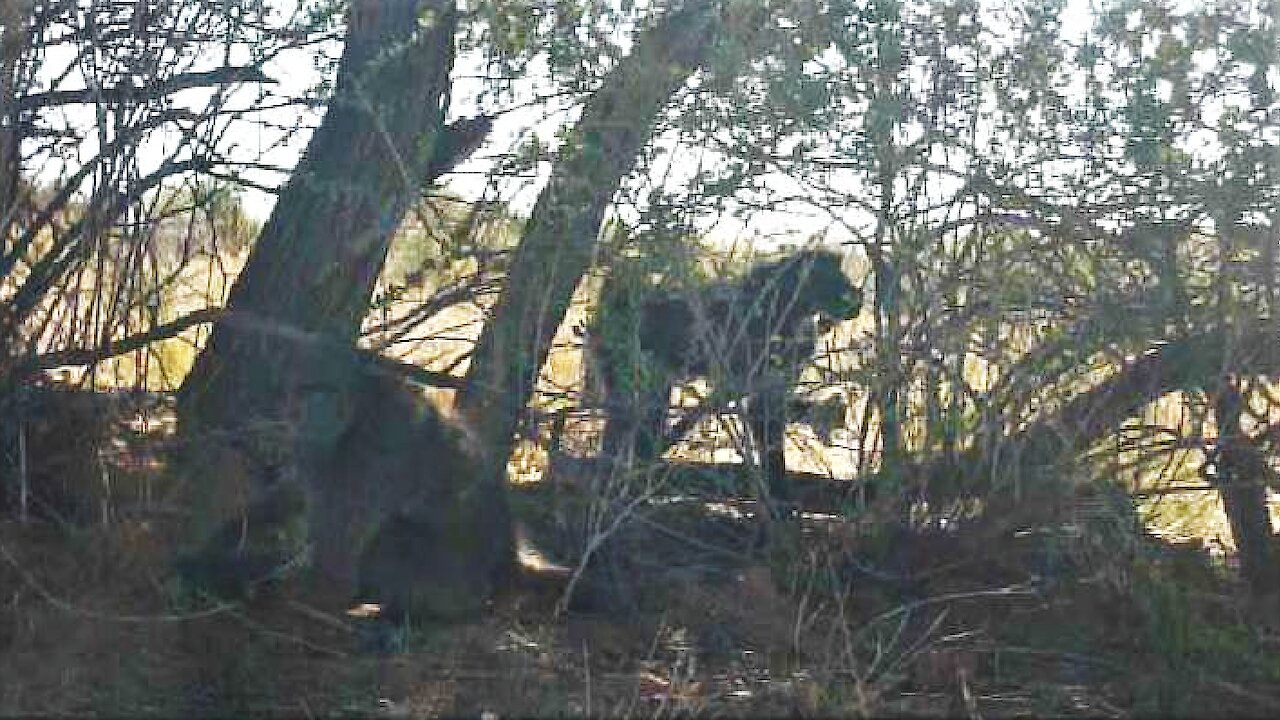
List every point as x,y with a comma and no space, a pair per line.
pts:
14,15
560,237
1241,480
308,281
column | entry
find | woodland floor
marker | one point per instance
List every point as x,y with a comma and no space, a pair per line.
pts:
845,623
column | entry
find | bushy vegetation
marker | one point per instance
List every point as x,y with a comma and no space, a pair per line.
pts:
377,452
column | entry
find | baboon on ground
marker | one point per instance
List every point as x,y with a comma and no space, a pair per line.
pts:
405,489
396,508
750,337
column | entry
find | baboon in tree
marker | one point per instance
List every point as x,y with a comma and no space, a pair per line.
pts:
751,337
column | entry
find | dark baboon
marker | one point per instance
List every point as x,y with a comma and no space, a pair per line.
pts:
750,337
390,493
402,501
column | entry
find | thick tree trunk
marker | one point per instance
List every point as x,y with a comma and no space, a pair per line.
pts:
560,237
14,15
1241,479
307,284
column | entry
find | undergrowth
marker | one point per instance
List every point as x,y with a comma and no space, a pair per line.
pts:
847,620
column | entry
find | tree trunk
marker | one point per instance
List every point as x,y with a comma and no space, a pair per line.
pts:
1190,363
1241,479
560,237
14,15
309,279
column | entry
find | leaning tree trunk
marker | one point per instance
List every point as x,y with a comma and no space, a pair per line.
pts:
309,279
560,238
1241,480
14,16
1190,363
